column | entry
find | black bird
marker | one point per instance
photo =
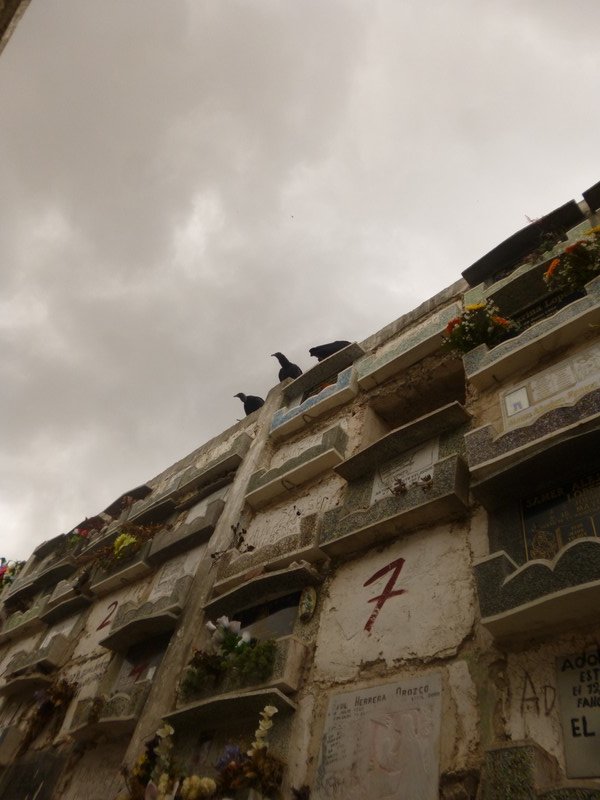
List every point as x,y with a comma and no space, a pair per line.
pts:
288,370
251,402
323,351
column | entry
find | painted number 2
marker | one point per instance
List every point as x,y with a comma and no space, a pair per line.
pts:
107,619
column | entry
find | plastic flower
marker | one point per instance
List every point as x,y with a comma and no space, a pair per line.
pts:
551,269
452,324
122,542
166,730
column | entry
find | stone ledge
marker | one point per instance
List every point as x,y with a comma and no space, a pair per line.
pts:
220,711
285,677
265,485
539,596
534,466
525,771
412,346
402,439
45,548
485,367
121,573
44,659
279,555
289,420
135,622
169,543
201,480
24,684
487,452
328,368
112,715
62,603
22,623
263,588
446,497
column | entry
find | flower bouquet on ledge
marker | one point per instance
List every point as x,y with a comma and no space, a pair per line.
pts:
234,657
577,265
254,775
480,323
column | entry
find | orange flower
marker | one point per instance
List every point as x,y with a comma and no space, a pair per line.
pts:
452,324
575,245
551,269
501,321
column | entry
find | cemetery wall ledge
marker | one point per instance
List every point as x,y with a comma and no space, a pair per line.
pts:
262,588
403,438
134,622
265,485
293,418
488,452
216,712
416,344
236,569
445,496
290,655
540,596
485,367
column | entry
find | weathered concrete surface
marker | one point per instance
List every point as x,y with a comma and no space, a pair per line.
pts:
431,619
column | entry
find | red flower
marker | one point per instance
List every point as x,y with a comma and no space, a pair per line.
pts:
452,324
574,246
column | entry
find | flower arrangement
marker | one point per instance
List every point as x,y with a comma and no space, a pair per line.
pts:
480,323
78,537
577,264
256,769
9,571
234,655
156,776
126,545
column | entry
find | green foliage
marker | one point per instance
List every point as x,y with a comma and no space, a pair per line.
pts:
246,662
204,671
254,661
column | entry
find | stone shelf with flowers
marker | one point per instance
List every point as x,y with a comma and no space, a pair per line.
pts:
235,662
491,362
9,571
123,561
255,773
577,265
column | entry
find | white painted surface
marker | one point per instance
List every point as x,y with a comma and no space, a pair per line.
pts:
430,619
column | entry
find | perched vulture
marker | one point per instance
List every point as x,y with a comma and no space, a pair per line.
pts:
322,351
251,402
288,370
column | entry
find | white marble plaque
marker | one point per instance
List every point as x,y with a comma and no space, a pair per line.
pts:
559,386
578,683
409,467
382,743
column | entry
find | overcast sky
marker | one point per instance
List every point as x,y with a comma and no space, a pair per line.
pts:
188,186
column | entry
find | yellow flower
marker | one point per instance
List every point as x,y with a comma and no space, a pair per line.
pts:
474,306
